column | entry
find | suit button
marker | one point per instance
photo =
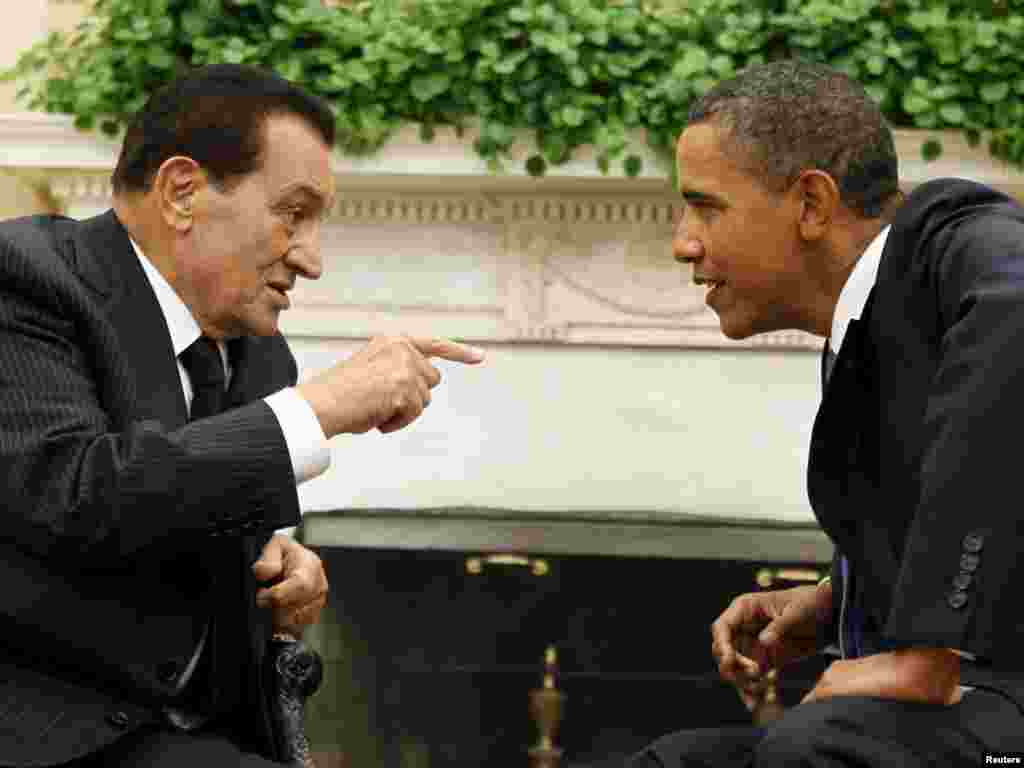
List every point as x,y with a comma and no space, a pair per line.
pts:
118,719
973,542
957,600
969,562
167,671
962,581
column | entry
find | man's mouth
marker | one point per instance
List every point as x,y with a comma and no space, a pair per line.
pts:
712,284
282,291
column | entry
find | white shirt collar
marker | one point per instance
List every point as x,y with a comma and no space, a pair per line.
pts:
183,327
856,290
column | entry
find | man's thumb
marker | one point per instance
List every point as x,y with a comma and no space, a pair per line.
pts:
776,628
268,566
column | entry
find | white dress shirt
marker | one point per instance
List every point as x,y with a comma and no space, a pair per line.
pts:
856,290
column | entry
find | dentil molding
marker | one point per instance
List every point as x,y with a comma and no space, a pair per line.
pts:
424,236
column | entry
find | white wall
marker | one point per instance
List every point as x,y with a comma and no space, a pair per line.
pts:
691,431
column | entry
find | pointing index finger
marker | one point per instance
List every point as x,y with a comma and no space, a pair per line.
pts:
449,350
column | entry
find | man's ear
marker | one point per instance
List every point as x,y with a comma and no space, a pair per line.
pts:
818,201
175,186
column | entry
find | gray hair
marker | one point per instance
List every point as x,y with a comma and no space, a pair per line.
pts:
782,118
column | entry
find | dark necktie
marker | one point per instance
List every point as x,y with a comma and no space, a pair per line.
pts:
828,362
225,643
851,628
205,368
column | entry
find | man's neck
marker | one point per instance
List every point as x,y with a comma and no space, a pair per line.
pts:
839,265
133,217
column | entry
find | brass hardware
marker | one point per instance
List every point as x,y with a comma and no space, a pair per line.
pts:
766,577
546,705
538,566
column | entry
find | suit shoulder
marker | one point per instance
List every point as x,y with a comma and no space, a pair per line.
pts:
955,224
34,243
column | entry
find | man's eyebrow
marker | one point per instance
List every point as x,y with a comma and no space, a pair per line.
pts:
696,196
307,190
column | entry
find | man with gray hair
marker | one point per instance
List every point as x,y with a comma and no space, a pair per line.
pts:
793,218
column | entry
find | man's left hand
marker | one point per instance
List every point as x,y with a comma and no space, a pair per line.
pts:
301,589
925,675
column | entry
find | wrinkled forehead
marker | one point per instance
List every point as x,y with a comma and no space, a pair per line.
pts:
295,155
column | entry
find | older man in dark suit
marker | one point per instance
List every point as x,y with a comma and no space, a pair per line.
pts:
152,436
794,219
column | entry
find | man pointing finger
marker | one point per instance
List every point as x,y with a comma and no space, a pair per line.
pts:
386,385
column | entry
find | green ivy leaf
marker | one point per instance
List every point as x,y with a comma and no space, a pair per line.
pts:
994,92
426,87
159,58
693,61
915,103
573,116
953,113
931,150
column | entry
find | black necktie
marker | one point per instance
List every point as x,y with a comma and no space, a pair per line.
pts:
828,361
205,368
225,644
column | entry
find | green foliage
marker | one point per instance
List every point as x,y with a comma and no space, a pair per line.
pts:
571,72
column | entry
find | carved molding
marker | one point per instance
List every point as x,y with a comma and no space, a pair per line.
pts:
423,236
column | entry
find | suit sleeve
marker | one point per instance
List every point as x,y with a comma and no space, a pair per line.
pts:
960,577
81,485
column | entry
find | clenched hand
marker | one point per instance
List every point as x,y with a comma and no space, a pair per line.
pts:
300,593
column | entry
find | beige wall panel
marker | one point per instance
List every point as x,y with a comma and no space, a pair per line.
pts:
20,29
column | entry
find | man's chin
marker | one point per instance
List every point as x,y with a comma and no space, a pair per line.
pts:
264,324
733,330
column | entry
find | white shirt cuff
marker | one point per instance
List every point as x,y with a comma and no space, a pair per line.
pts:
307,444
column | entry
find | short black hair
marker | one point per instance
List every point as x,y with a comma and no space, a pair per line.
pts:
215,115
784,117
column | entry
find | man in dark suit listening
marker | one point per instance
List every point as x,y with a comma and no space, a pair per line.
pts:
793,218
152,434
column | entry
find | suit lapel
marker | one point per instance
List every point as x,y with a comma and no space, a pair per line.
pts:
838,439
107,261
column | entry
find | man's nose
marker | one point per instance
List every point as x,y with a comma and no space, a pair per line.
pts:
686,249
304,256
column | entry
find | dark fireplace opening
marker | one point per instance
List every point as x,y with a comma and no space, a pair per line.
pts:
431,656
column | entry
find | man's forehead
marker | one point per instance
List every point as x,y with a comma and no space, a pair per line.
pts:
695,166
703,166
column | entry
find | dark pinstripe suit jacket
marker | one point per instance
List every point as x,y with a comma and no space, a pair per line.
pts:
118,513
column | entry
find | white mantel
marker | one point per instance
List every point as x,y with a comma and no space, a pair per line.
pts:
612,415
